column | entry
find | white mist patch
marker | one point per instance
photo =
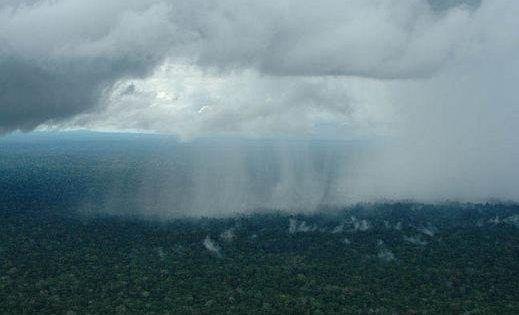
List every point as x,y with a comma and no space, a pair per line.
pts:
295,226
212,246
360,225
386,255
428,230
495,220
228,235
338,229
415,240
513,220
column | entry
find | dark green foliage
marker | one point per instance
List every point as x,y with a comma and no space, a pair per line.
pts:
51,263
56,258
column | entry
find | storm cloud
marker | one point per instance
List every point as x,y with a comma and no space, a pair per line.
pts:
61,58
57,58
436,77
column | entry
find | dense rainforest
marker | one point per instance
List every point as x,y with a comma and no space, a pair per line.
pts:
372,258
384,257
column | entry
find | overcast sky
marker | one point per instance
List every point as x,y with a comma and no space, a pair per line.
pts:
438,76
198,67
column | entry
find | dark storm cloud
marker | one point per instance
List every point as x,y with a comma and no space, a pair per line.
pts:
57,58
34,93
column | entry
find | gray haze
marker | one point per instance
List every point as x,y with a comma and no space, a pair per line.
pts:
219,177
436,77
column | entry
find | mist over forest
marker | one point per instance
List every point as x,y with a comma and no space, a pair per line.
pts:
275,156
